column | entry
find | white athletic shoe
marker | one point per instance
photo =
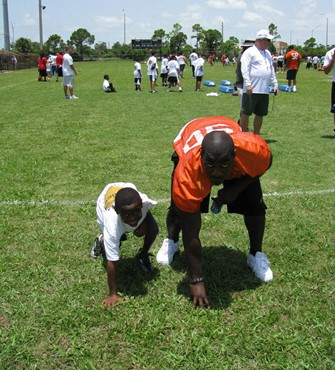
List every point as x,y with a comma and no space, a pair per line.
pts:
294,88
167,251
73,97
260,266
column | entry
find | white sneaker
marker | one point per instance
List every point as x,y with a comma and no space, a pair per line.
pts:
260,266
167,251
72,97
294,88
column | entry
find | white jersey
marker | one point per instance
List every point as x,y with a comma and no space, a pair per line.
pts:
67,62
173,68
199,67
328,58
111,225
152,66
105,85
164,64
181,59
137,70
53,60
193,58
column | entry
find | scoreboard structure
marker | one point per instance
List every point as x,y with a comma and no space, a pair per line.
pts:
146,44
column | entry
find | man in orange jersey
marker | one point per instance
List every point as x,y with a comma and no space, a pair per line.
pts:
212,151
292,62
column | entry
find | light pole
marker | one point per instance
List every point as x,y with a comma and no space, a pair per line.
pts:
5,25
290,37
13,35
40,8
124,26
315,28
326,29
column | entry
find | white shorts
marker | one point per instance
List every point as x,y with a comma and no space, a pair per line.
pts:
68,81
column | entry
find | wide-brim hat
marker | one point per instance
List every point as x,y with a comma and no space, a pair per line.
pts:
247,43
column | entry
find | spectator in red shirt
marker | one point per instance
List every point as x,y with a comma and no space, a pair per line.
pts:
42,67
59,63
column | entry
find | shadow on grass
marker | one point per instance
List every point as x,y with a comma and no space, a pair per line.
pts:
132,280
269,141
225,272
328,137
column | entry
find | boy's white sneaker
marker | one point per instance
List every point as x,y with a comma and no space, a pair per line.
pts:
167,251
260,266
73,97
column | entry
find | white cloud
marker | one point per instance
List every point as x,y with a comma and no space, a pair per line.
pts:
220,19
29,20
190,17
241,25
169,15
227,4
252,17
145,25
267,8
111,21
195,8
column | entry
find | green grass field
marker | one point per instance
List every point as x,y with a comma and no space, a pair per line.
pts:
56,157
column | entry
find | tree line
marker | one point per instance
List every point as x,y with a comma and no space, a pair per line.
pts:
206,41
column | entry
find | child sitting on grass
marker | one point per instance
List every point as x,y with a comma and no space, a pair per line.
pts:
122,209
107,86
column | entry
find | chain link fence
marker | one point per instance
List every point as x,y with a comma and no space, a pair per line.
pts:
12,61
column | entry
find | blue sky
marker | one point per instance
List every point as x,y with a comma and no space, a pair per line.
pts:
296,20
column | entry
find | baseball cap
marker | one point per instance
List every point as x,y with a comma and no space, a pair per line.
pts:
263,34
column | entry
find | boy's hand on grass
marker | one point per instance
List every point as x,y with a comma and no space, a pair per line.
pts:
111,300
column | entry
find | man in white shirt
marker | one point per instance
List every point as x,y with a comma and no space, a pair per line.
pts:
258,73
199,71
152,71
137,75
328,65
164,72
193,58
173,73
69,71
316,61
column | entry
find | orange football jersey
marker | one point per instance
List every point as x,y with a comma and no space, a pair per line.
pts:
191,184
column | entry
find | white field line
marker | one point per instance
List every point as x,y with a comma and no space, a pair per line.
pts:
71,203
19,83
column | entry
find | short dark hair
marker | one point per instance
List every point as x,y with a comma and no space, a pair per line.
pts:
125,197
106,77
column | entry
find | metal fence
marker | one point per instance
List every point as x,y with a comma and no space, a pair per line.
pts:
10,61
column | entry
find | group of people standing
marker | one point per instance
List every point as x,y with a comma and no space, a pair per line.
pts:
60,65
171,70
49,67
